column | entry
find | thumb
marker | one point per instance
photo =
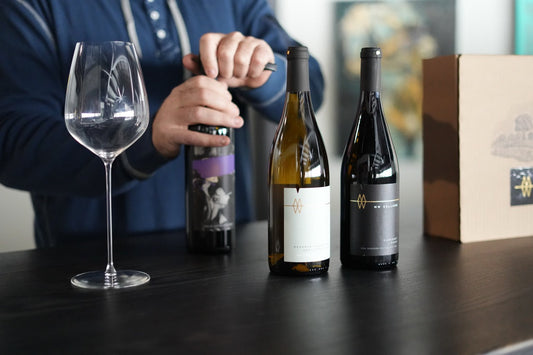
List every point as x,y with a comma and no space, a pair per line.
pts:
192,63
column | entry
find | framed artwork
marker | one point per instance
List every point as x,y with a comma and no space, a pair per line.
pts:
407,32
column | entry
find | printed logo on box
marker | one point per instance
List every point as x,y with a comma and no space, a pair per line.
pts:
517,142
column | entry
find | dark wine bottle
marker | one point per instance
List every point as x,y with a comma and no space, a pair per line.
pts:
298,181
210,197
370,180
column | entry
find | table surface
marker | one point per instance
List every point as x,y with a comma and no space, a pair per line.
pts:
444,297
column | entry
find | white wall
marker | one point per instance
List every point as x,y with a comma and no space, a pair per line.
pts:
16,220
318,36
482,27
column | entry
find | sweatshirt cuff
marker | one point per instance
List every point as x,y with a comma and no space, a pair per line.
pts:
141,160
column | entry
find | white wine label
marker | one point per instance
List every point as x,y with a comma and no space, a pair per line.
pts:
306,229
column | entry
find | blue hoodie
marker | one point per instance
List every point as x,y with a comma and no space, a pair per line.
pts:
66,181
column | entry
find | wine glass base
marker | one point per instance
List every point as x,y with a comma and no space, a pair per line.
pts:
99,280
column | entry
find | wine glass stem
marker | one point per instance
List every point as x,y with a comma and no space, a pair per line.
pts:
110,268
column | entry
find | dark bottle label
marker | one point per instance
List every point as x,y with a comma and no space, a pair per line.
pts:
521,186
374,215
212,199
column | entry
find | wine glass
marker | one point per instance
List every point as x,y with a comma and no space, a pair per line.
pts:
106,111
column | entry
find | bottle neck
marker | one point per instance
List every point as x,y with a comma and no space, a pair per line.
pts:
297,75
371,74
370,101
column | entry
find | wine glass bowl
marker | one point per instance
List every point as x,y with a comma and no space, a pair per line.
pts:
106,111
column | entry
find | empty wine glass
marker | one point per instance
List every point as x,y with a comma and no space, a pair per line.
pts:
106,111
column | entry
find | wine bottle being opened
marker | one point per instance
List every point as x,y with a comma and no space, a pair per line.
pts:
298,181
210,196
370,179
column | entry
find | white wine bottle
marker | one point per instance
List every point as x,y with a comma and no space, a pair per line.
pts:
298,181
370,179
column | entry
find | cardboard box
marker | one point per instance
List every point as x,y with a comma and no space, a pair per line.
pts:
478,147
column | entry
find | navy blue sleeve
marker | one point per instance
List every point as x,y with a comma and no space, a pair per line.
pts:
36,151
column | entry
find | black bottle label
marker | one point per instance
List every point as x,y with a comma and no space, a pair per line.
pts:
212,200
521,187
374,214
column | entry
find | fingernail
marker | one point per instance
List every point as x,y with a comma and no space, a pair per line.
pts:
224,140
211,73
239,121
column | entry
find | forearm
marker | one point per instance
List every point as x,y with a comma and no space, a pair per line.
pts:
39,155
36,151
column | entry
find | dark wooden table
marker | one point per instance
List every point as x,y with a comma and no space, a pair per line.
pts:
444,298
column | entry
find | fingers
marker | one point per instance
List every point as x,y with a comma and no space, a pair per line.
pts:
200,100
245,59
232,59
192,63
262,55
226,53
235,59
208,50
200,93
203,139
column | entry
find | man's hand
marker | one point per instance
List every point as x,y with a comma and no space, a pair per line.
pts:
233,59
199,100
229,60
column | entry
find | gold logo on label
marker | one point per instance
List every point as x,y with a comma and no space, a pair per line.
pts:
361,201
525,186
297,205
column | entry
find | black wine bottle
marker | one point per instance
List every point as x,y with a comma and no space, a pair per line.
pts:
370,180
210,198
299,191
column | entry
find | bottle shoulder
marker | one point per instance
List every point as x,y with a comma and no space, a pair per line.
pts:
369,154
298,155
